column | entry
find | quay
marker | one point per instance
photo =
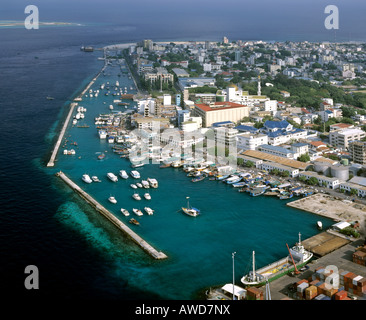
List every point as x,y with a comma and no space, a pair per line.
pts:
107,214
51,162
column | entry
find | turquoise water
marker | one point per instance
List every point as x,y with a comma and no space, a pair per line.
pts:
198,249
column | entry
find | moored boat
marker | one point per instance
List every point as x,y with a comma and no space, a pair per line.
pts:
153,182
193,212
137,212
134,221
123,174
96,179
297,255
136,196
112,177
125,212
135,174
198,178
86,178
147,196
319,225
149,211
112,199
133,186
145,184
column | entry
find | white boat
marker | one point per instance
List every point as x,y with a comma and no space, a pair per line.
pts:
133,186
112,199
136,165
319,224
96,179
111,107
153,182
145,184
135,174
125,212
102,134
123,174
136,196
86,178
233,179
139,184
138,212
193,212
112,177
297,255
149,211
147,196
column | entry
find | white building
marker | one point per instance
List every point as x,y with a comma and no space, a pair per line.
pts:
342,138
331,183
167,99
250,141
270,105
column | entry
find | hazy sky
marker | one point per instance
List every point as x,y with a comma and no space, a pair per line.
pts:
251,16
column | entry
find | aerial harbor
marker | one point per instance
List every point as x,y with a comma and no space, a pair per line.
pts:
224,166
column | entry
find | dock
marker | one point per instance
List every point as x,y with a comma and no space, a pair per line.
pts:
107,214
324,243
51,162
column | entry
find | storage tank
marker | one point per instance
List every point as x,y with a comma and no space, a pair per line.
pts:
340,172
322,167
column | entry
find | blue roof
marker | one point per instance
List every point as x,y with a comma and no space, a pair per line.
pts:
283,133
218,124
299,144
246,128
276,124
274,148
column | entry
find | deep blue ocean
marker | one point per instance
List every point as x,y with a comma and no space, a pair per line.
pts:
78,255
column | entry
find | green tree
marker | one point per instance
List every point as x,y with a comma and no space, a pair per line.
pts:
304,157
313,181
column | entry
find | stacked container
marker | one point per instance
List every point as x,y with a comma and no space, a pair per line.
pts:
254,294
301,289
311,292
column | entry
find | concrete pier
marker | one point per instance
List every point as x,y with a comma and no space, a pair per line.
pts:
51,162
119,224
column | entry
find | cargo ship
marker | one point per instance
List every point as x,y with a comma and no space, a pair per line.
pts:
297,256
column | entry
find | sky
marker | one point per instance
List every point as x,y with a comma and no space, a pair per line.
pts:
246,16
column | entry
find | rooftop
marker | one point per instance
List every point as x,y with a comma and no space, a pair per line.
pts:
219,106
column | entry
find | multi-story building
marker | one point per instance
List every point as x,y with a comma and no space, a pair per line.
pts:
342,138
220,111
331,183
357,150
250,141
225,136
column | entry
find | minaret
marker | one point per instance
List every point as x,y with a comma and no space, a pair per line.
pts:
259,86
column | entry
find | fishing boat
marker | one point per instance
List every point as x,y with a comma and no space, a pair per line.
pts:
123,174
136,165
134,221
298,257
133,186
233,179
50,98
136,196
96,179
101,156
86,178
222,177
257,191
147,196
112,199
149,211
145,184
102,134
193,212
239,184
112,177
164,165
125,212
135,174
137,212
319,225
285,195
198,178
153,182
